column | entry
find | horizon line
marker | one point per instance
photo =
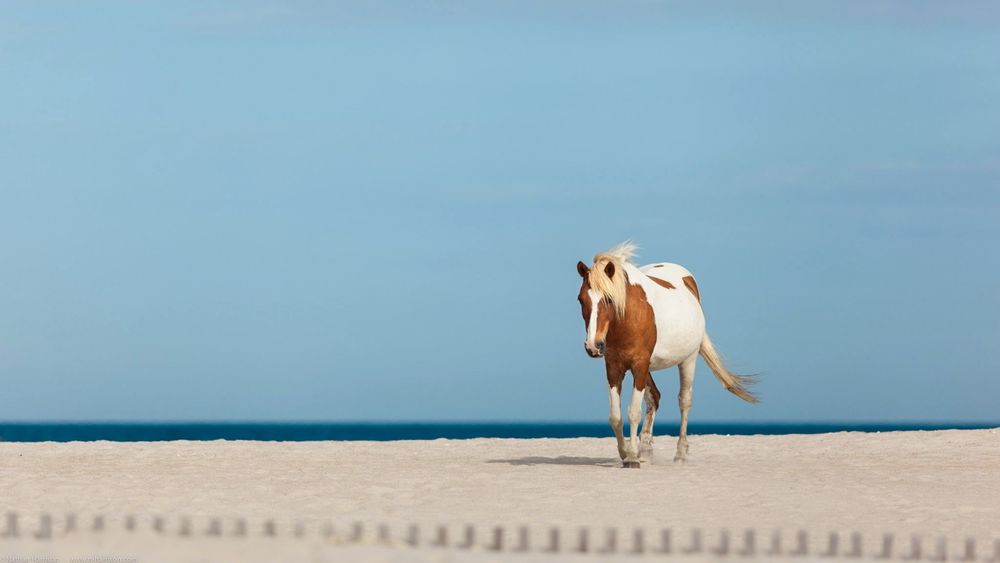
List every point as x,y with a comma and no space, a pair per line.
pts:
908,422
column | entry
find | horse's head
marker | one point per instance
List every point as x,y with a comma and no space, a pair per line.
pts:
601,285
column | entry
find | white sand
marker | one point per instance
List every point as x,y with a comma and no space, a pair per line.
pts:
933,484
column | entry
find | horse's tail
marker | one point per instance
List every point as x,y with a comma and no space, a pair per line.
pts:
735,384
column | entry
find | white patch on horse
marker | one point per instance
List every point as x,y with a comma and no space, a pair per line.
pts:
595,299
680,322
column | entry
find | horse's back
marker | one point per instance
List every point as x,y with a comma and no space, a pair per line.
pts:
673,273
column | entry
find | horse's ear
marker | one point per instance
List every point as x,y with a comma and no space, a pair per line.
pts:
610,270
582,269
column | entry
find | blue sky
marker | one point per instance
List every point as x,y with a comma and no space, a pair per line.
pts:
373,211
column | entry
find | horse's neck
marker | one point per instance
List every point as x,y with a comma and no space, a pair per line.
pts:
637,309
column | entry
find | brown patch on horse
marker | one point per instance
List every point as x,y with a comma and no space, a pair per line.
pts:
630,340
658,266
664,283
692,287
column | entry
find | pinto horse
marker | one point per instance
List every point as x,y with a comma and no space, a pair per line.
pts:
644,319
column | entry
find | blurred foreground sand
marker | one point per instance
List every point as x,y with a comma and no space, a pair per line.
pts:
301,501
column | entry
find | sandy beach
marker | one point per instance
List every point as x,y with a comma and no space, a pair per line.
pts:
417,500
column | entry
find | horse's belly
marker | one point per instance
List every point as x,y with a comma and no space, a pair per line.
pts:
678,336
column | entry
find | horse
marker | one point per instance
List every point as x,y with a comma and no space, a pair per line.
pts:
645,319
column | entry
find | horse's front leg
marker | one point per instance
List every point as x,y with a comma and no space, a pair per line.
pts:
615,377
634,417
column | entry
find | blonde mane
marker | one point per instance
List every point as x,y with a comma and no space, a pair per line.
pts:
615,288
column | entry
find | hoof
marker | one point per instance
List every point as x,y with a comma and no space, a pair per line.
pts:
630,464
680,458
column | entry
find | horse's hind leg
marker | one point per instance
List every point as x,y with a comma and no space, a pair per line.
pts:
646,436
684,402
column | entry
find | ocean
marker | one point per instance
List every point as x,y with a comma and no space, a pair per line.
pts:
319,431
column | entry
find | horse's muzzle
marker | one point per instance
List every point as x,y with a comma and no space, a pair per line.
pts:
597,351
